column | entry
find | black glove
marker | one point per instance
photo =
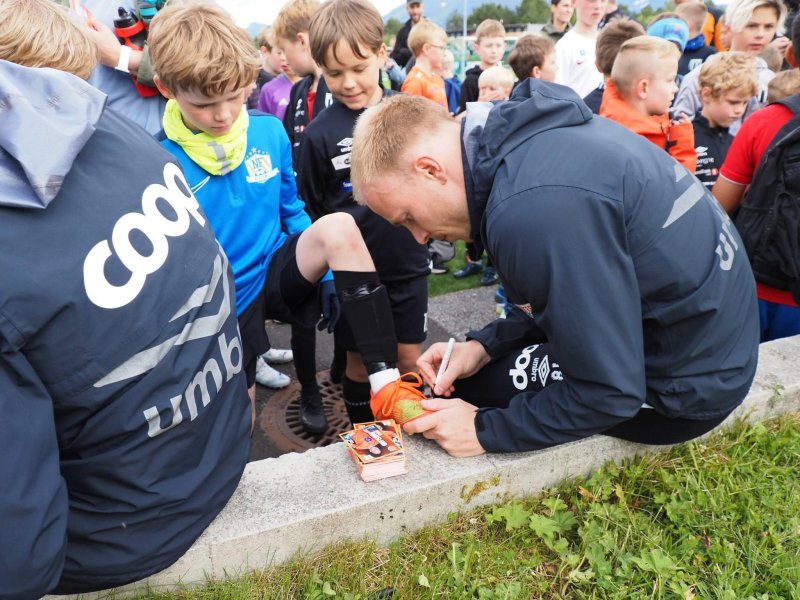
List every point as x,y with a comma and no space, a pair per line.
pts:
331,307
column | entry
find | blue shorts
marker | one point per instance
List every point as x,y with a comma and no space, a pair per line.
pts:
778,320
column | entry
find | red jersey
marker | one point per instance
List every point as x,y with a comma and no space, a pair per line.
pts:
743,158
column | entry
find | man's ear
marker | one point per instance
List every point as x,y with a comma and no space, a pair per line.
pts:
536,72
165,91
430,168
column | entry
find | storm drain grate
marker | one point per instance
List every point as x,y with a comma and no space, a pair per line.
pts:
280,418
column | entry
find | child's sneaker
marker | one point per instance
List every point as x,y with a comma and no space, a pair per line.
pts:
399,400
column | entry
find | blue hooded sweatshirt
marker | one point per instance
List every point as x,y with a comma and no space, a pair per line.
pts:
124,415
635,276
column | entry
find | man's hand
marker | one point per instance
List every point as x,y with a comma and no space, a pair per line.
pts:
451,425
467,359
108,46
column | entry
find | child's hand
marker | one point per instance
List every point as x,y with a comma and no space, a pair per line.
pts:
680,119
490,95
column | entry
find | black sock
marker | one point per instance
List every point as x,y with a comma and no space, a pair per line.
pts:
365,305
304,348
356,400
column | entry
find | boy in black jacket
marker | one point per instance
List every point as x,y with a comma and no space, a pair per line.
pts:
727,82
346,40
490,45
309,96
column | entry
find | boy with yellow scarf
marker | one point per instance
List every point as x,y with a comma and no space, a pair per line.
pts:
239,166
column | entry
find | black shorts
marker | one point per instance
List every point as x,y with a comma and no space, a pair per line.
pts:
286,296
409,302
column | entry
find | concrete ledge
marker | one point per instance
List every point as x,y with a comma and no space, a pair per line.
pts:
301,502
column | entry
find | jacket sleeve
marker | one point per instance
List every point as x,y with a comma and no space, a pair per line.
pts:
503,336
312,173
687,100
33,503
294,217
469,93
575,269
288,116
401,53
680,145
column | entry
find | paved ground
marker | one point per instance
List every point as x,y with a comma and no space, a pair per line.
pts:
449,315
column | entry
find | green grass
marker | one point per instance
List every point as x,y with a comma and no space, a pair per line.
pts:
716,519
446,283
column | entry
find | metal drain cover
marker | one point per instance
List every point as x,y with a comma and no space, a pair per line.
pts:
280,418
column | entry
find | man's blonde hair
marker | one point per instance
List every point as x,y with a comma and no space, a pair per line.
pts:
425,32
695,15
640,58
739,12
198,47
383,133
497,75
38,33
783,85
489,28
726,71
295,17
357,23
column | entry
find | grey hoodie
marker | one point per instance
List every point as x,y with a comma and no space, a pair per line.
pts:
123,408
636,277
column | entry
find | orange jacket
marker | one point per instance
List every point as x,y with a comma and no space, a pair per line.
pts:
677,140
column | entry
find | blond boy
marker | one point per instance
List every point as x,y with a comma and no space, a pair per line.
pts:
534,56
609,41
347,43
428,42
309,96
784,84
750,25
241,169
639,94
727,82
495,83
74,53
490,45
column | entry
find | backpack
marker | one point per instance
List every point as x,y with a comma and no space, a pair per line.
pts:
769,218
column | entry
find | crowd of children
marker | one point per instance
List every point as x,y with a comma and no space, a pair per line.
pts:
263,131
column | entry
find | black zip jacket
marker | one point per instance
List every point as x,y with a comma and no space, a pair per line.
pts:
323,177
712,145
296,118
469,87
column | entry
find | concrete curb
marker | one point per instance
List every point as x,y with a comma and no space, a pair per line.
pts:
301,502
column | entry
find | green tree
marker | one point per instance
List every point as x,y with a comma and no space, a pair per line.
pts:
455,21
533,11
490,10
390,29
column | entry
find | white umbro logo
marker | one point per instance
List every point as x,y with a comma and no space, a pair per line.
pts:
345,143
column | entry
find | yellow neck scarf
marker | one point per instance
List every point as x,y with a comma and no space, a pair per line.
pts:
216,155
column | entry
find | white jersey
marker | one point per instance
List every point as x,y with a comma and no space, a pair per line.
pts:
575,55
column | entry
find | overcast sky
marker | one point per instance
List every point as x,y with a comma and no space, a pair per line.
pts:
261,11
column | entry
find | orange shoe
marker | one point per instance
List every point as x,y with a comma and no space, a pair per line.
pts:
399,400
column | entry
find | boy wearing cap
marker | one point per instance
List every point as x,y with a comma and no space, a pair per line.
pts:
640,91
